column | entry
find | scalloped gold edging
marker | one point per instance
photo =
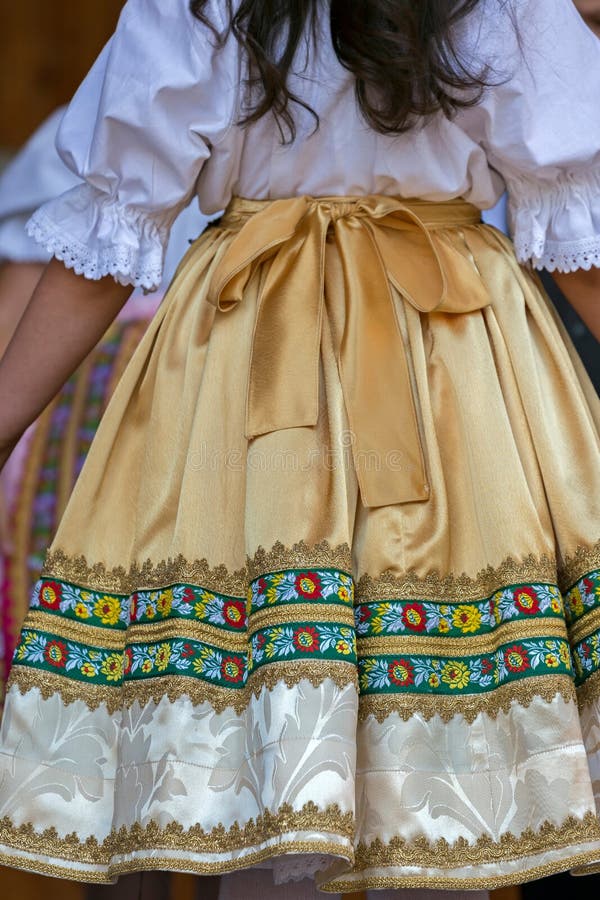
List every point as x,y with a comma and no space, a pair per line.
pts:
589,692
578,564
174,687
299,556
174,837
485,850
469,706
148,575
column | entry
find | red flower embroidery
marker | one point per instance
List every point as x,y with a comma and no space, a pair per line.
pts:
50,594
134,605
262,585
486,666
306,639
188,650
234,613
260,641
527,601
56,654
308,585
413,616
401,672
364,613
585,650
232,668
516,658
127,661
188,595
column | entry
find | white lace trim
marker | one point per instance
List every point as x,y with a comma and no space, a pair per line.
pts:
297,867
555,256
546,218
95,236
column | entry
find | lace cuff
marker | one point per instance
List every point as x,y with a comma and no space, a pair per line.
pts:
96,236
556,224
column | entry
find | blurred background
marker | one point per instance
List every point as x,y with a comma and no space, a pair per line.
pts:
45,50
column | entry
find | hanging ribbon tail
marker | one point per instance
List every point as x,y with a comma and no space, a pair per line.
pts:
283,387
386,446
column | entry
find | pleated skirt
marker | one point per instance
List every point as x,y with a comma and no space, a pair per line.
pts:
251,647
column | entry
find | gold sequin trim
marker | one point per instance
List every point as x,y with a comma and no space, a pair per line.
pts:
578,564
589,692
301,612
174,687
469,706
299,556
148,576
174,837
434,586
466,645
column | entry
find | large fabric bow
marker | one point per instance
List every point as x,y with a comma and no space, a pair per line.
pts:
383,243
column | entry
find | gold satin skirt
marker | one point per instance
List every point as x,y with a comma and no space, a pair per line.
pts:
326,597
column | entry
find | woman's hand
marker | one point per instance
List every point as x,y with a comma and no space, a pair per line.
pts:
582,290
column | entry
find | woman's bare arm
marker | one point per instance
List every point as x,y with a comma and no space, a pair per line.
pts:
65,318
582,290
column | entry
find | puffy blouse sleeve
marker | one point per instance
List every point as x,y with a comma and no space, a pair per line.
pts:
540,127
161,94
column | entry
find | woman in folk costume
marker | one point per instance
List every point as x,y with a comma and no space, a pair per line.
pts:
326,598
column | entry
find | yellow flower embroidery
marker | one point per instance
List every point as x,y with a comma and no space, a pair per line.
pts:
147,666
163,655
344,594
444,626
552,660
82,611
556,605
164,603
456,674
343,647
467,618
108,609
89,670
198,666
565,655
112,667
434,680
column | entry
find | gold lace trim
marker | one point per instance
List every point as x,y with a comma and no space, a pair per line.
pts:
386,585
443,855
149,575
299,556
435,586
582,561
469,706
153,690
174,837
589,692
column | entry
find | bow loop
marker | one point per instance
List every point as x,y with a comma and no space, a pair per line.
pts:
383,242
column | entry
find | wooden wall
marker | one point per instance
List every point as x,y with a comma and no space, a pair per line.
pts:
46,47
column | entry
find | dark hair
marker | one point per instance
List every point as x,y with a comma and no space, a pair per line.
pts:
402,53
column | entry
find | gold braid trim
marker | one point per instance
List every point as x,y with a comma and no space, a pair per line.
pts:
174,837
469,706
461,588
466,644
584,627
462,853
284,614
582,561
153,690
300,556
387,585
589,692
148,576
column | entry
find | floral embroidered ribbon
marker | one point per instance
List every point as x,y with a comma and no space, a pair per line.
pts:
382,242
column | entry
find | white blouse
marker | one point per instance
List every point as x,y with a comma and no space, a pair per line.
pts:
155,123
